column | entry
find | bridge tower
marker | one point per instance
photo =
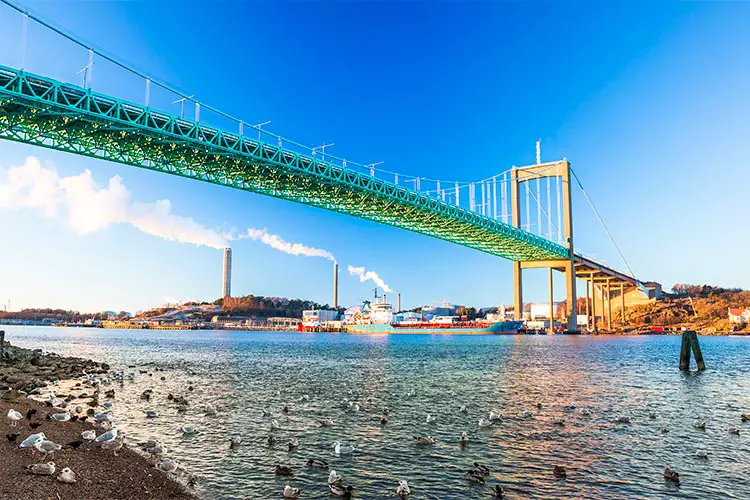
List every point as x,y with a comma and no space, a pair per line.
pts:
519,175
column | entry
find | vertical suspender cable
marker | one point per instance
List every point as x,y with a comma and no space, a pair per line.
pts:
559,210
549,210
539,206
25,31
494,197
503,198
528,207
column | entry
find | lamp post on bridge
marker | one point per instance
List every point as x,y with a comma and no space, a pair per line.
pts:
181,101
372,168
259,126
322,150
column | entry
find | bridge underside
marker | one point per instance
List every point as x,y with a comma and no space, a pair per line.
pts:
43,112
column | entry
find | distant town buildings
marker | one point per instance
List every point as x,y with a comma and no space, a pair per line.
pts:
739,315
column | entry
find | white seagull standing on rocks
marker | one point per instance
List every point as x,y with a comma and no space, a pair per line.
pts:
31,440
88,435
47,447
14,416
110,435
60,417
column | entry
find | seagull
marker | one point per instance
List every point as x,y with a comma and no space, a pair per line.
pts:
703,455
585,412
424,439
335,478
403,490
734,430
338,448
189,430
463,409
652,415
88,435
151,413
167,465
483,422
290,492
383,420
14,416
671,475
107,436
430,419
99,417
664,430
60,417
67,476
527,414
464,439
494,417
31,440
47,447
699,425
113,445
275,425
572,406
293,443
42,469
156,450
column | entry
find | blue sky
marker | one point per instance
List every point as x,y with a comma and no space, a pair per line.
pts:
648,101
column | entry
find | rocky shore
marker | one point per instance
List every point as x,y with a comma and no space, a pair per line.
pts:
29,369
99,473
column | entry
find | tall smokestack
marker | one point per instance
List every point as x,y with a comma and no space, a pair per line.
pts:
335,285
227,288
399,302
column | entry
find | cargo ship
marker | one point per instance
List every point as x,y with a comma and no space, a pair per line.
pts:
378,318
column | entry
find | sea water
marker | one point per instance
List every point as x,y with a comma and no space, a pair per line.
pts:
551,377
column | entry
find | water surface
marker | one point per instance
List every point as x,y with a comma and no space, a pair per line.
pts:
240,373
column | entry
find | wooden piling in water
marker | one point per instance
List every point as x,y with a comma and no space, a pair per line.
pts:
690,343
2,343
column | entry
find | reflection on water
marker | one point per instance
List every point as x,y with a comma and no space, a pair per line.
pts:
241,373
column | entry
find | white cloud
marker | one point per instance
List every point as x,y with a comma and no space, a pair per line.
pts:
90,208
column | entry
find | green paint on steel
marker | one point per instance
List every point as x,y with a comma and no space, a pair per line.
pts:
47,113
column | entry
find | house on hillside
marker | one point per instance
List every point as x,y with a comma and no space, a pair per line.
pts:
739,315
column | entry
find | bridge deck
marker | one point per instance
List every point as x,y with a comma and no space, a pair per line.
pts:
47,113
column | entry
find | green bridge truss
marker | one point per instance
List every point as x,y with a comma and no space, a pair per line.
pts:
51,114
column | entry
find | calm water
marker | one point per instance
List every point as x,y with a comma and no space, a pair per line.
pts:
241,373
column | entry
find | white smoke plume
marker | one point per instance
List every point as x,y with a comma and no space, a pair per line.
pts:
275,241
365,275
90,208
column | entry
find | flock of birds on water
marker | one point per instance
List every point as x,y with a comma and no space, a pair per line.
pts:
110,440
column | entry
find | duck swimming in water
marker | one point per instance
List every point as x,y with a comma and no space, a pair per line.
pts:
474,476
335,478
745,417
293,444
702,454
327,422
340,491
317,464
498,493
383,420
734,430
559,471
481,469
283,470
699,425
463,409
430,419
622,420
671,475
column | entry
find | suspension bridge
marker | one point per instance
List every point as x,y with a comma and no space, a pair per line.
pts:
523,214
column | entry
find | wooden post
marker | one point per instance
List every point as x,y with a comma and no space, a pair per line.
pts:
690,342
2,343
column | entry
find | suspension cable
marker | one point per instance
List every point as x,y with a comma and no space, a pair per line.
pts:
601,221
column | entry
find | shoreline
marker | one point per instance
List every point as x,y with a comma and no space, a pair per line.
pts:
27,378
